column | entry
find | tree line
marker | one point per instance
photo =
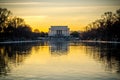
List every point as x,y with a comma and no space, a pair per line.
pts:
15,28
107,28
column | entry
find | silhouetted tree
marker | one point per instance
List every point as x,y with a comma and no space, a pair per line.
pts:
23,32
75,34
43,34
36,31
4,16
13,28
106,28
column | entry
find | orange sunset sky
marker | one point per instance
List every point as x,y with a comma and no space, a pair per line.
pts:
76,14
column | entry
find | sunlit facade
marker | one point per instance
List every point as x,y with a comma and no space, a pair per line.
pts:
59,31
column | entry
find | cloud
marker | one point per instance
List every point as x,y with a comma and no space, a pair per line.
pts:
62,2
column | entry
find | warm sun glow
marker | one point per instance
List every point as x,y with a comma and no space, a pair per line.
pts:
74,13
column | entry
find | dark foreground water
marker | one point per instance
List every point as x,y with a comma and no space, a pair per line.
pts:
60,61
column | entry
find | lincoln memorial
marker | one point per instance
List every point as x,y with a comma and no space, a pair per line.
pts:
58,31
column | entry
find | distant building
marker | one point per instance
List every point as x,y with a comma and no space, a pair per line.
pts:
58,31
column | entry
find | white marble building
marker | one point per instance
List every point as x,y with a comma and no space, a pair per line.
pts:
59,31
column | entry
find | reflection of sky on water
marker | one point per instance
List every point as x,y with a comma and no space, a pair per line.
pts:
80,57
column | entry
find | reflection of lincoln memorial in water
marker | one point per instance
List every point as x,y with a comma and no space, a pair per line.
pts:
58,47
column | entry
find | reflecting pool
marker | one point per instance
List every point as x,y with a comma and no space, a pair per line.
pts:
60,61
